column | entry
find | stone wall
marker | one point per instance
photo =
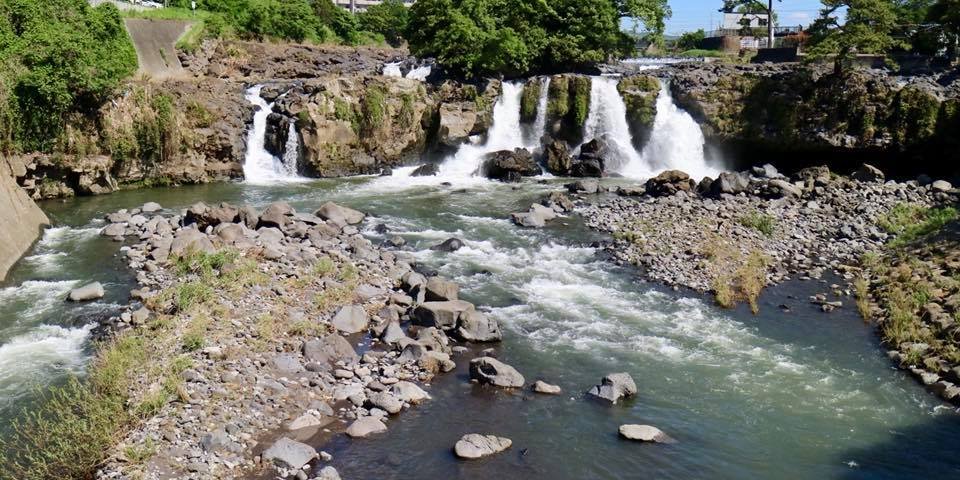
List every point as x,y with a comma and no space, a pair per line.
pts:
21,219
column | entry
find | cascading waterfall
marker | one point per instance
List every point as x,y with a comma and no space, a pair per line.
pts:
540,123
392,69
259,166
607,119
420,73
504,134
676,143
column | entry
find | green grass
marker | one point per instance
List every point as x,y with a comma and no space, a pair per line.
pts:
908,222
760,222
698,52
71,428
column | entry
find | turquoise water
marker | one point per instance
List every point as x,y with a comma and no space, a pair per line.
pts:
777,395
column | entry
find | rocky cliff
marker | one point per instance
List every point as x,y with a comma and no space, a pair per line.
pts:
21,219
806,111
362,124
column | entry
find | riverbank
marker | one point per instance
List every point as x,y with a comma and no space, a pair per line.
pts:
738,234
257,340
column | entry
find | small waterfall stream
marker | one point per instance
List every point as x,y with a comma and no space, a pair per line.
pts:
504,134
260,166
540,123
607,119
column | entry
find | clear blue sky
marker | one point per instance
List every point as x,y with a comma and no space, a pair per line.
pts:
689,15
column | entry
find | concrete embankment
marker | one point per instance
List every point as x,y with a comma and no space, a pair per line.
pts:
20,218
155,42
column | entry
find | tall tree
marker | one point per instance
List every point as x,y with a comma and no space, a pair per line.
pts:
946,13
754,6
866,30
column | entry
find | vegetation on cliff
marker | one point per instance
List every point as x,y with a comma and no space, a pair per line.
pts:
568,105
58,58
518,37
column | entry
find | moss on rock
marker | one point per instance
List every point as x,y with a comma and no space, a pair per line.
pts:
639,95
530,99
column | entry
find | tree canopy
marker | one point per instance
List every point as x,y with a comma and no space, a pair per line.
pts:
867,29
389,19
516,37
57,57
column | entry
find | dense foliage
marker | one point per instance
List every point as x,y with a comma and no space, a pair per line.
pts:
517,37
866,29
389,19
57,57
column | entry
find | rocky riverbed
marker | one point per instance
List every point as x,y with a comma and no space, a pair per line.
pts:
689,234
270,331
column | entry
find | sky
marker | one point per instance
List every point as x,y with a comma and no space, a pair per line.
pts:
690,15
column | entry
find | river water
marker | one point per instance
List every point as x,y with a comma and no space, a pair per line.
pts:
775,396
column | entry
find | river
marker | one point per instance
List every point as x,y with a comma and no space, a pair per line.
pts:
778,395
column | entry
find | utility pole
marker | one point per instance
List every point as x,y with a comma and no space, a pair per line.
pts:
353,6
770,24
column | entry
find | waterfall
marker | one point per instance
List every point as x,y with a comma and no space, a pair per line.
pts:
540,123
504,134
291,150
607,119
676,143
420,73
259,166
392,69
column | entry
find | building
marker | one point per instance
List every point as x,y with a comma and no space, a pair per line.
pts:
361,5
738,21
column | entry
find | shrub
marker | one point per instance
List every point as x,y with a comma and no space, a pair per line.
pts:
760,222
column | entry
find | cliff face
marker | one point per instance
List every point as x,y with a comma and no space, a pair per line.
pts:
21,218
350,125
798,109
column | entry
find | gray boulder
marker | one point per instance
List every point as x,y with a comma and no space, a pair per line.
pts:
190,240
475,326
490,371
868,173
613,387
289,453
426,170
448,245
329,349
644,433
443,315
90,291
543,387
385,401
276,215
730,183
339,215
510,166
440,290
473,445
409,392
365,426
941,186
351,319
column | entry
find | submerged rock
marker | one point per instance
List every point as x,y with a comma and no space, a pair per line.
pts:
644,433
474,445
543,387
90,291
426,170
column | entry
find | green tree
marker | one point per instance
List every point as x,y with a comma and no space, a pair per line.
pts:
866,30
389,19
946,13
516,37
63,56
690,40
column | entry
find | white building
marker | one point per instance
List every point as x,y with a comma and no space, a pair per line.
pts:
736,21
361,5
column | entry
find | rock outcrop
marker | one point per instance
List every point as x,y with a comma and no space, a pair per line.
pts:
21,219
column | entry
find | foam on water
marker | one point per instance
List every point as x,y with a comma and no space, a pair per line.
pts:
392,69
42,352
35,297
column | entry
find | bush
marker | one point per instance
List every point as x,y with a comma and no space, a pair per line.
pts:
389,19
690,40
760,222
908,222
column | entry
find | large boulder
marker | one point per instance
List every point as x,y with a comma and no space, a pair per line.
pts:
536,216
592,159
289,453
669,183
90,291
868,173
276,215
351,319
476,326
339,215
426,170
490,371
556,156
730,183
440,290
329,349
614,387
188,241
443,315
473,445
409,392
509,166
365,426
385,401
